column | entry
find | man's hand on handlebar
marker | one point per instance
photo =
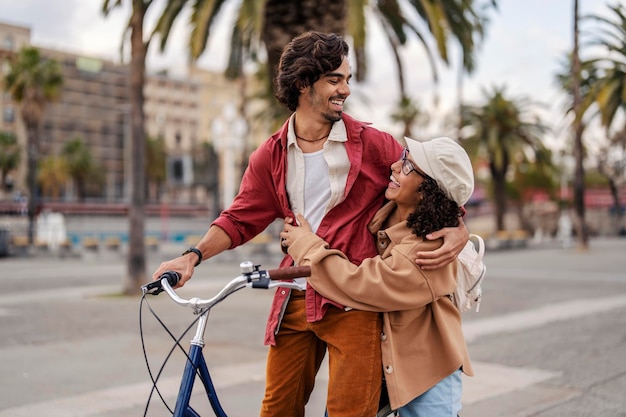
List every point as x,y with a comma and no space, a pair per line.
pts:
184,265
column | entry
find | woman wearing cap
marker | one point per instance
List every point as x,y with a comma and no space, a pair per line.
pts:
423,346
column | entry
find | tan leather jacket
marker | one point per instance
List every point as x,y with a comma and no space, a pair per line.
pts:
422,340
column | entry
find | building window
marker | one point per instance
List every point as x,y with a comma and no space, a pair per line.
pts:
8,115
177,171
180,170
9,43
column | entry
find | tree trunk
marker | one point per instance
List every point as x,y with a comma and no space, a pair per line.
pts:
498,177
136,274
617,206
499,198
32,132
579,172
81,188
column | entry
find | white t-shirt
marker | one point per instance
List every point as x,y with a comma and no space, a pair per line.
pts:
316,182
333,173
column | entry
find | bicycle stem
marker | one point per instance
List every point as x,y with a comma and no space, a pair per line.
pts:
198,338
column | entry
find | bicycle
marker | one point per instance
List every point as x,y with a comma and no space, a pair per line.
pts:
195,366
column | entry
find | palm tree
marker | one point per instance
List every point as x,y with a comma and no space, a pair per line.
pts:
206,172
580,93
136,261
502,130
607,90
155,165
612,166
52,175
80,164
271,24
530,177
32,82
588,81
579,170
408,113
610,67
10,153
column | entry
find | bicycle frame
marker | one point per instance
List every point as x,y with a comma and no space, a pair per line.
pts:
195,364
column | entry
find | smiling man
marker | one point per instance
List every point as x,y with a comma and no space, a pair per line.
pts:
333,170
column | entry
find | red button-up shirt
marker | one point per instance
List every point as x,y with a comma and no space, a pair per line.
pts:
262,198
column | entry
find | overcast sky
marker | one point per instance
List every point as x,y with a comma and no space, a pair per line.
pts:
525,42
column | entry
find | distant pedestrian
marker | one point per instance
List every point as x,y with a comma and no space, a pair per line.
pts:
564,230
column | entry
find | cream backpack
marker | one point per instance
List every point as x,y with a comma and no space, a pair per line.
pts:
470,275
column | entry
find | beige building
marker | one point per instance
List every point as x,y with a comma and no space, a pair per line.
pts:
207,139
222,125
12,39
172,110
186,112
231,121
92,106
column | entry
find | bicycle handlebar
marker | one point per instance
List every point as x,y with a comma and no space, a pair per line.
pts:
155,287
251,276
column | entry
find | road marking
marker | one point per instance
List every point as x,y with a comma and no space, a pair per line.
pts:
569,275
494,379
537,317
491,380
112,399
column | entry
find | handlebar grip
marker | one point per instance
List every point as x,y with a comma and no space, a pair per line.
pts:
172,277
289,272
155,287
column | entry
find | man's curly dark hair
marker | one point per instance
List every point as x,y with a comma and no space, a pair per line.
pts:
435,211
304,60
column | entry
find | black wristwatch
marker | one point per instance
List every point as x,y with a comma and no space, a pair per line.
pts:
197,252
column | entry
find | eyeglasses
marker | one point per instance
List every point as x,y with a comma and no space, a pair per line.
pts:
407,166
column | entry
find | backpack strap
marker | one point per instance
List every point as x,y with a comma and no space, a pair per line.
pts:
479,245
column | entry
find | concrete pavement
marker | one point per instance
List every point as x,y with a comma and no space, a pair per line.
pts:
549,340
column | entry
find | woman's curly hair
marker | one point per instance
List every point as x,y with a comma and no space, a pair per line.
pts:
303,61
435,211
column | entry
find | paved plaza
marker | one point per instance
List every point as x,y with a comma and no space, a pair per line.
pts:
549,340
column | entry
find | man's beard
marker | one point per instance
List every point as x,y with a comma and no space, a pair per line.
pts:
332,117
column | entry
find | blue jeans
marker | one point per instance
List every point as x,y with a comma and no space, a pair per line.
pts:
442,400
